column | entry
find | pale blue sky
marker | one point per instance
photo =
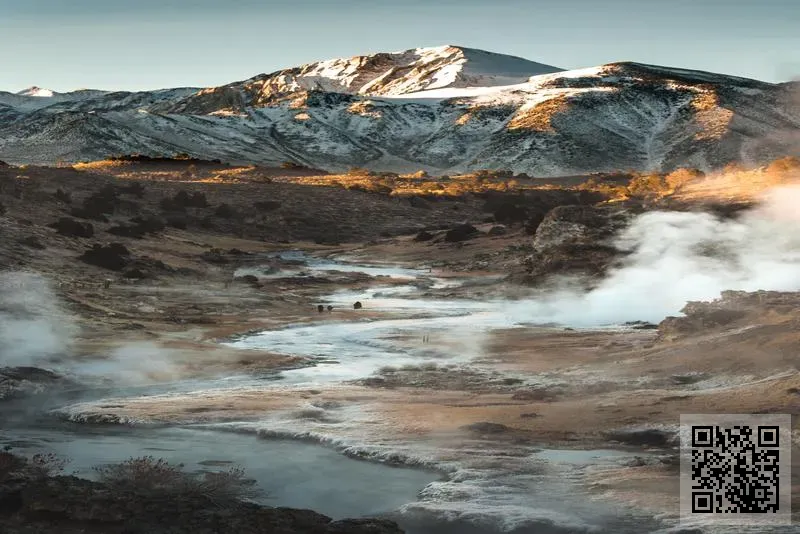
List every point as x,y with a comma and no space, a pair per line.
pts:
147,44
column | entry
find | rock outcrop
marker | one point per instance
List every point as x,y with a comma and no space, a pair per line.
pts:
574,240
728,311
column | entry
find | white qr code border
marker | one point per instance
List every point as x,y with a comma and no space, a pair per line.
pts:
695,493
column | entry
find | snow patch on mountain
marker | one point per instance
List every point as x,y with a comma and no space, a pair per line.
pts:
37,92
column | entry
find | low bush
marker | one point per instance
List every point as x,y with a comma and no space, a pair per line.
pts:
157,477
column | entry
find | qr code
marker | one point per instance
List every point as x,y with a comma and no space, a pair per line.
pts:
736,468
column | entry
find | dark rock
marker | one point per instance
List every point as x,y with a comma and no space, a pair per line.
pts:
114,256
648,437
357,306
460,233
498,230
320,308
575,239
72,228
721,313
423,236
486,428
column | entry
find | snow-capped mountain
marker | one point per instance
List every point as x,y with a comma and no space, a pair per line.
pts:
443,109
37,91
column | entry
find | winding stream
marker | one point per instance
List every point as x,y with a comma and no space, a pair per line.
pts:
467,486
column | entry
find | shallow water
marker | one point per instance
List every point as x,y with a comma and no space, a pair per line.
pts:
291,473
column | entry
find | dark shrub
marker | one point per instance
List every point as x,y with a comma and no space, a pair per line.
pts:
225,211
267,205
461,232
150,224
178,221
125,230
198,200
31,242
63,196
72,228
423,236
135,188
114,256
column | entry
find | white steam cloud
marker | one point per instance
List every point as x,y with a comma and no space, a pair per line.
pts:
677,257
134,363
34,329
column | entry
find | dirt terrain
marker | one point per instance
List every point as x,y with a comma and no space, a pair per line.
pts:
175,287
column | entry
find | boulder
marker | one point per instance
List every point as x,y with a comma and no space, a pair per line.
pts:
575,239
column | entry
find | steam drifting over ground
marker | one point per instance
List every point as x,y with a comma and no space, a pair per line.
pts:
675,257
34,330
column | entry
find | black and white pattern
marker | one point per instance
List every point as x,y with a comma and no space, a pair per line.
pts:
736,469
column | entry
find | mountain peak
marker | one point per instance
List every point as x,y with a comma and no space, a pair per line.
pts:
37,91
379,74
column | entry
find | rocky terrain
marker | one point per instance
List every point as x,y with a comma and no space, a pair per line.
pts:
446,109
176,256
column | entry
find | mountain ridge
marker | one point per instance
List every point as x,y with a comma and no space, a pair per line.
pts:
442,109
